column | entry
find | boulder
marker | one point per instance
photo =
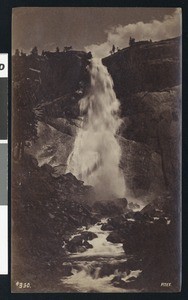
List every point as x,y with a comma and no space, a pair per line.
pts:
148,209
107,227
80,249
138,216
117,280
79,243
87,245
132,205
47,168
121,202
117,222
109,268
88,235
107,208
66,269
115,237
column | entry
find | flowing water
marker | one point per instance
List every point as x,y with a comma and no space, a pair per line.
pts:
95,269
95,160
96,154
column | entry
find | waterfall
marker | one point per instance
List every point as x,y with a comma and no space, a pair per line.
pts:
96,153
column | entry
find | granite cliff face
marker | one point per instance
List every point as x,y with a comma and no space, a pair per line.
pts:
154,119
145,67
148,83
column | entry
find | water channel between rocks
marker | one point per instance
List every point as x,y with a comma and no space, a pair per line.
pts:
97,269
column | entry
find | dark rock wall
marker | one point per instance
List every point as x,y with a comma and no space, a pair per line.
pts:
53,75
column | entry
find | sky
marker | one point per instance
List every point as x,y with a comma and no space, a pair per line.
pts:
91,29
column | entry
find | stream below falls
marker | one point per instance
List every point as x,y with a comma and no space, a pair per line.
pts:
98,269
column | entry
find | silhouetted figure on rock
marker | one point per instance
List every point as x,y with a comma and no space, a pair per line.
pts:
131,41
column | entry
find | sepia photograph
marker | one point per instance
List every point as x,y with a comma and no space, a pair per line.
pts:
96,149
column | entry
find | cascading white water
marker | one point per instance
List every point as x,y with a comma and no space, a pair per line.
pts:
96,154
87,267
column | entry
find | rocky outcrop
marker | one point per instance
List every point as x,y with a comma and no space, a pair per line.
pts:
142,168
149,67
46,210
140,164
151,237
110,208
56,74
52,83
154,119
147,81
53,146
79,243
